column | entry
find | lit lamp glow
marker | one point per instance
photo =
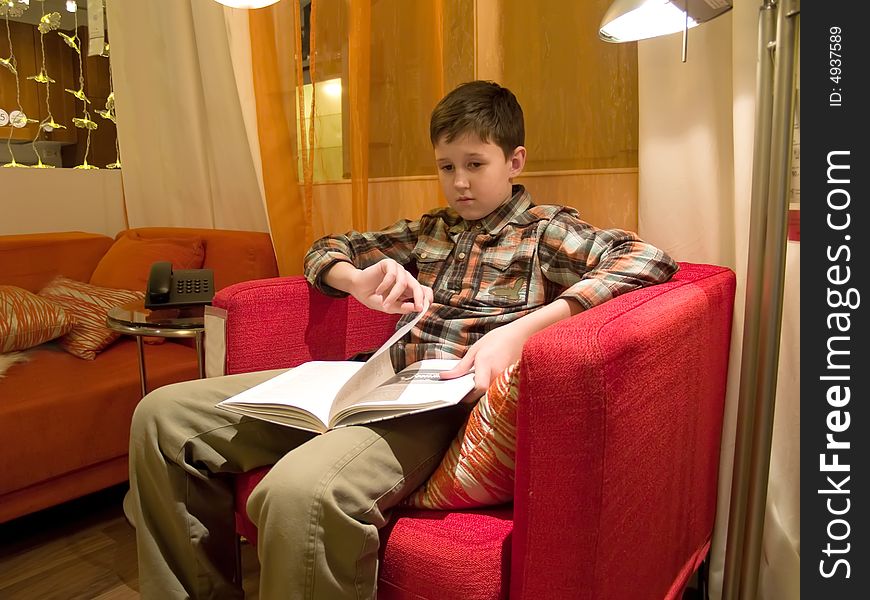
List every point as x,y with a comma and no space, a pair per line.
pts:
650,19
332,88
632,20
247,3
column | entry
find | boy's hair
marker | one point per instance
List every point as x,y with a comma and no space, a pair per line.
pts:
483,108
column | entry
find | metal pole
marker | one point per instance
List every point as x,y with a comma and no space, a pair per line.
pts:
752,306
772,296
142,379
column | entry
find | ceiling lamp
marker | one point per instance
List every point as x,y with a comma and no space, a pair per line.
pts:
247,3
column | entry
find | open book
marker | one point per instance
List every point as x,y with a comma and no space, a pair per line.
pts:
322,395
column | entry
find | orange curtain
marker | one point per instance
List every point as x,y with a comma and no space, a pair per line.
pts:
273,66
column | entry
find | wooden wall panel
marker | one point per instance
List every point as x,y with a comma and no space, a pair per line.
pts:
579,94
605,198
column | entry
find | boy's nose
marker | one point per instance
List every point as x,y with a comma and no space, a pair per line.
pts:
460,182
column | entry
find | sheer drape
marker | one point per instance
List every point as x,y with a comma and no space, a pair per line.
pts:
695,154
185,150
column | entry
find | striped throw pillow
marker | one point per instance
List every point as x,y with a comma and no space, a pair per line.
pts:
478,468
26,320
89,304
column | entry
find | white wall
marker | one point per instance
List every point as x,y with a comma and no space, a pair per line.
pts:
46,200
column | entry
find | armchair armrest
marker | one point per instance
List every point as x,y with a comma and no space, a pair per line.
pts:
282,321
618,433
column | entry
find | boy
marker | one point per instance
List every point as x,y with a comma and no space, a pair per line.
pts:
494,268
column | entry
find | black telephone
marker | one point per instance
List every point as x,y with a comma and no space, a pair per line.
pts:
169,289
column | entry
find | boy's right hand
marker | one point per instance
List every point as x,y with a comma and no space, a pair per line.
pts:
386,286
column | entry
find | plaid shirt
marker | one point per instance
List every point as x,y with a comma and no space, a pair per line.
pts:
490,272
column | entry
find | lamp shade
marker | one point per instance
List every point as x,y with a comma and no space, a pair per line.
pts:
247,3
630,20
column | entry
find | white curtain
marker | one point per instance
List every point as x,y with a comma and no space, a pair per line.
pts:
695,161
186,127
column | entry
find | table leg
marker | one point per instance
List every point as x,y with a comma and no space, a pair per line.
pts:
140,348
200,359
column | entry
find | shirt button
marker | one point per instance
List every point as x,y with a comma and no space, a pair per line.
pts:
461,255
423,255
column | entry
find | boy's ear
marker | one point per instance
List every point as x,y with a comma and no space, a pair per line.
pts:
518,160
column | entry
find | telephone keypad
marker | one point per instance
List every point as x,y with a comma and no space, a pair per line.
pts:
192,286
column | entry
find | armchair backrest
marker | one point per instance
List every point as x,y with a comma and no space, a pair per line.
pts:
317,327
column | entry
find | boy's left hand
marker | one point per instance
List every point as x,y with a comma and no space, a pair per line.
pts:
489,357
503,346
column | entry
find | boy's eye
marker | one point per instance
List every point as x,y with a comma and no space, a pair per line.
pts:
447,168
475,165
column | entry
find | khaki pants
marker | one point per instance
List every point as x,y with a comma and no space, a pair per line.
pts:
317,511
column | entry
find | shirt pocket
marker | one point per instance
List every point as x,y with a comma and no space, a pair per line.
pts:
505,278
430,261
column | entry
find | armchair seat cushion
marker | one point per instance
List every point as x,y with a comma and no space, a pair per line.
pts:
448,555
427,549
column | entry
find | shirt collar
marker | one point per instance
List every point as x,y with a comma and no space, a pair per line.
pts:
511,210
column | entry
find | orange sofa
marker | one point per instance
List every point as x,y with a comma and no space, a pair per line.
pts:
64,421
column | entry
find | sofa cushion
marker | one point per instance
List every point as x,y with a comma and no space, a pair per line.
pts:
234,256
31,260
59,414
27,320
128,262
89,305
478,467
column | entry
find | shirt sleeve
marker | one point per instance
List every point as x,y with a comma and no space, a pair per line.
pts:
595,265
361,250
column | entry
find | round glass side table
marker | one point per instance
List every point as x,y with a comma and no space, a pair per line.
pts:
136,320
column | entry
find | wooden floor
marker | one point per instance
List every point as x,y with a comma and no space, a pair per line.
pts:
86,550
81,550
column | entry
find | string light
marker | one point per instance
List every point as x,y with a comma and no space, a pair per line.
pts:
47,22
17,118
109,113
83,122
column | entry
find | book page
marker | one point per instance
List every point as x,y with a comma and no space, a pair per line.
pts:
418,386
310,387
375,370
308,395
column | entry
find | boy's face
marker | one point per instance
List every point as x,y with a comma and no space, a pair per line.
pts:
475,176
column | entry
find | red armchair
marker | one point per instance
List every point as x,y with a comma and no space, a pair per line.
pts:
619,424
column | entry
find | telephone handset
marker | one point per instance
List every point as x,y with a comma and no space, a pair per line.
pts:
169,289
